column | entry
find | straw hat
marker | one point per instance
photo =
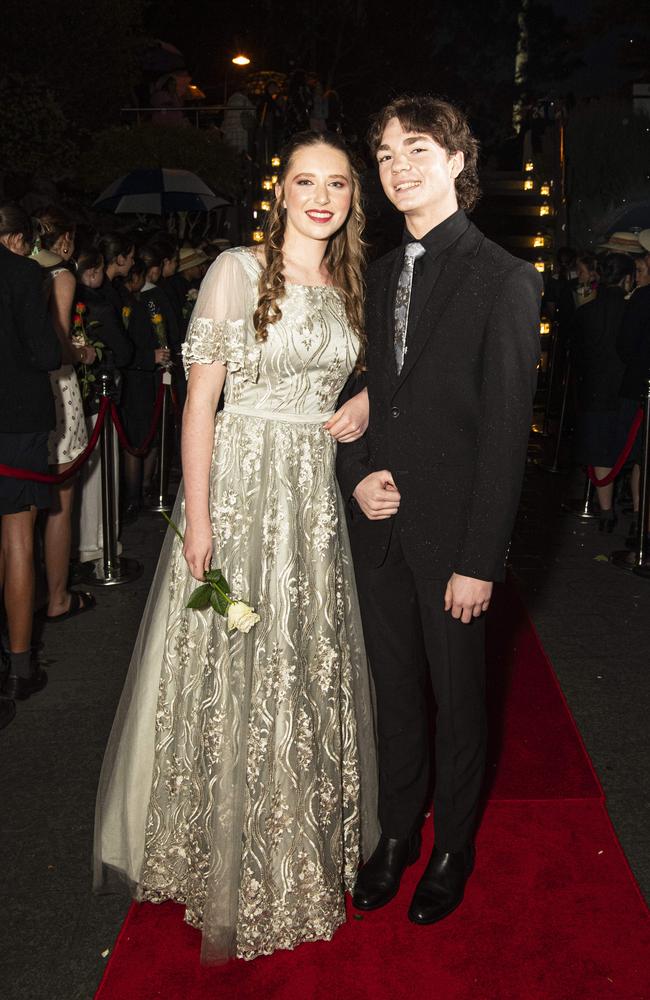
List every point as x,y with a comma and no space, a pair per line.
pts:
622,243
189,257
644,239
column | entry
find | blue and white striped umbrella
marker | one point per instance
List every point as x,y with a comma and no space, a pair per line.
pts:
154,192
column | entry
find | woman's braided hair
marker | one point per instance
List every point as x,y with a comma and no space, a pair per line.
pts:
344,257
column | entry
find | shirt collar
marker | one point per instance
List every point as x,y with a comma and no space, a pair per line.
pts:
441,236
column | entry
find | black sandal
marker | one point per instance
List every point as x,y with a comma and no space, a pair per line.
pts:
80,601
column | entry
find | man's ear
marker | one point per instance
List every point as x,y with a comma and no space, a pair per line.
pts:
457,163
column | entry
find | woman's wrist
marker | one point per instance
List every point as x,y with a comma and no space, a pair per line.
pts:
198,522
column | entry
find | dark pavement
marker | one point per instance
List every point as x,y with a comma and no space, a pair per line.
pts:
593,619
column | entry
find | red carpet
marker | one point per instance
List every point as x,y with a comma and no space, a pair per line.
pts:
551,913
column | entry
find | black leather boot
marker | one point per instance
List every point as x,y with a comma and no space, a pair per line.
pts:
7,712
442,887
379,879
21,688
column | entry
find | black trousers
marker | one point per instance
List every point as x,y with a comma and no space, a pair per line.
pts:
409,638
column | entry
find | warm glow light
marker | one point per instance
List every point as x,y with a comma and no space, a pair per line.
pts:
544,326
241,60
274,179
267,184
529,166
528,184
545,190
275,161
540,266
538,241
544,209
258,235
265,206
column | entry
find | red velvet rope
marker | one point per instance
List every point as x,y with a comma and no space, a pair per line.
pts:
622,458
45,477
105,404
121,434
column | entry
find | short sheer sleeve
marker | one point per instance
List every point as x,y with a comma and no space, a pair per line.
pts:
220,328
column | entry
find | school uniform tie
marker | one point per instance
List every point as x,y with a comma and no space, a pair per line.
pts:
403,300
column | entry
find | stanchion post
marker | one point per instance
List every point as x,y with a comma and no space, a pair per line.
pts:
642,564
543,429
582,508
551,380
112,568
637,560
555,467
163,503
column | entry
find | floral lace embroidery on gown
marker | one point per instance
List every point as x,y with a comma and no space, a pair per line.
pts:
240,777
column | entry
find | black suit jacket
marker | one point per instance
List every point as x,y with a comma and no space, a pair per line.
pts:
633,344
453,427
597,367
30,347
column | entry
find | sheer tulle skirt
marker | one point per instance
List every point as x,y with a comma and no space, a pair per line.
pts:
240,776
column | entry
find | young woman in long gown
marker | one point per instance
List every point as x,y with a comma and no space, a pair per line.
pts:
240,776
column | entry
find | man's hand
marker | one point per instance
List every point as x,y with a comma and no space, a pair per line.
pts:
467,597
378,496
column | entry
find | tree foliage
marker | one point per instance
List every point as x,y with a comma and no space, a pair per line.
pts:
86,53
116,151
33,129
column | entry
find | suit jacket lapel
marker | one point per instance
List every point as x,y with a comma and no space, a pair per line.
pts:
450,281
385,283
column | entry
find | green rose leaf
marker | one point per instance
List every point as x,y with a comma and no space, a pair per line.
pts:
216,577
218,602
200,599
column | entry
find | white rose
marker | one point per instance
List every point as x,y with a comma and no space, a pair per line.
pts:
241,617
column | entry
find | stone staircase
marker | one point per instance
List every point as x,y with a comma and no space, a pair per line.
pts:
517,210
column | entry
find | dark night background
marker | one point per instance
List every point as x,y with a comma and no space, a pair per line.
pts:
68,69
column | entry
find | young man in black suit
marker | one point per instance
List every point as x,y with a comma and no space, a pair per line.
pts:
453,346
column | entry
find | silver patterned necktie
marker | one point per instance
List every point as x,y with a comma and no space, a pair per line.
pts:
403,300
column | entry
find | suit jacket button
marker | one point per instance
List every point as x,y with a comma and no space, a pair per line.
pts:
394,411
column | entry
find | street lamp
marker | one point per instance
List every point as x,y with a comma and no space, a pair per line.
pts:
239,60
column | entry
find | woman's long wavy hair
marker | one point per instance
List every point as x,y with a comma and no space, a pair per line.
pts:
344,257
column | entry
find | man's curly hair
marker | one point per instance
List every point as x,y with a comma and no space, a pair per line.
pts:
446,124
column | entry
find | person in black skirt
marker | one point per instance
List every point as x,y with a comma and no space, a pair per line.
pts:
598,371
30,350
140,381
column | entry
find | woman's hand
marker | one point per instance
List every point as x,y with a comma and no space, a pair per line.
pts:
350,421
197,549
87,354
162,355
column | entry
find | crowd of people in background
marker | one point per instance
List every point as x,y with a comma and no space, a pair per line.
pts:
601,303
259,124
76,308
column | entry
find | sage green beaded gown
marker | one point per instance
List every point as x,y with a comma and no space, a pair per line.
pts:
240,775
